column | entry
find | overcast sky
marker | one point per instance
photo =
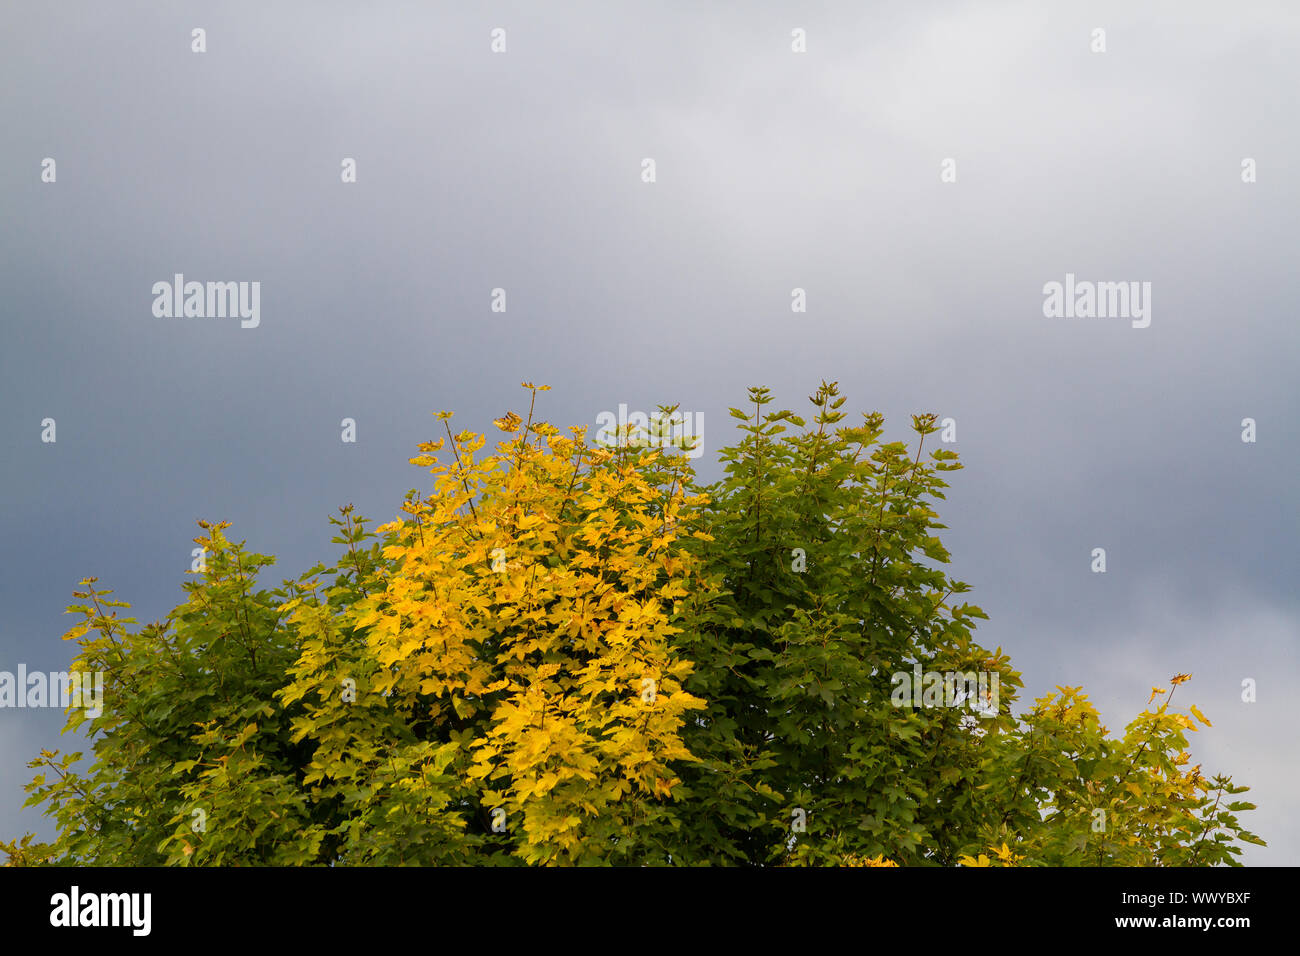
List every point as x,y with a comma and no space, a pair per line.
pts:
774,170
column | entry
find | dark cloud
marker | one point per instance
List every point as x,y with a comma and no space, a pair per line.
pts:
775,171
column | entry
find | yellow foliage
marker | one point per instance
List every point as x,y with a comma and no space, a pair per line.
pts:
1002,856
534,593
853,859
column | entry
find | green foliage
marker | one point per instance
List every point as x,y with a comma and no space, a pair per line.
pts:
1081,798
797,665
567,654
189,733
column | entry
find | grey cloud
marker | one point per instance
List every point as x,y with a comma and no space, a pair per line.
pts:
775,171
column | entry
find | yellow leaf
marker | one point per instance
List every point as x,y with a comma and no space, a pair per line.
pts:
1200,716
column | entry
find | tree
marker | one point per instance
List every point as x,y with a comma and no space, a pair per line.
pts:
821,539
567,653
